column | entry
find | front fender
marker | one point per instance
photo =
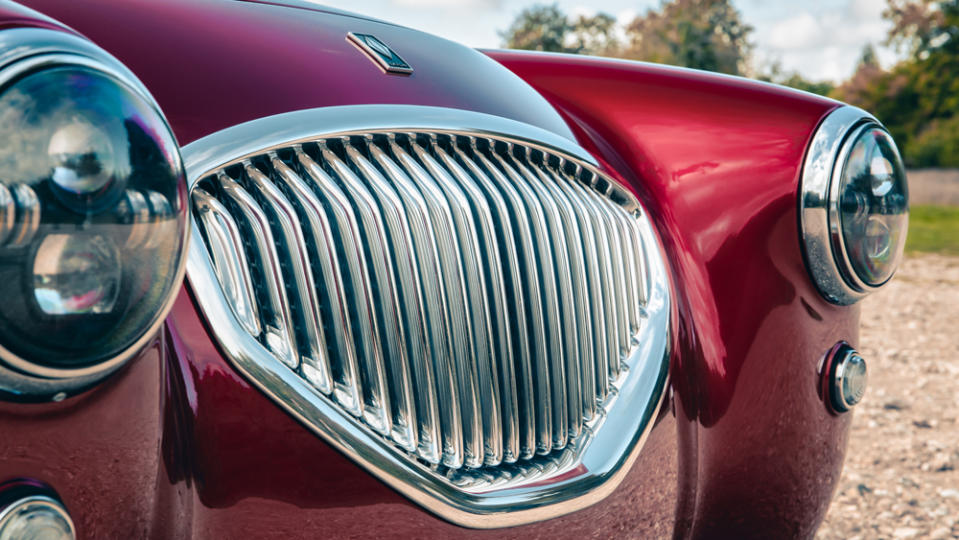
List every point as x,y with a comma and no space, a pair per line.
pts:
717,161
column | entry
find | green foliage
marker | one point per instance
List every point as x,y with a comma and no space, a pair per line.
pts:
937,145
595,35
933,229
546,28
776,75
917,100
539,28
700,34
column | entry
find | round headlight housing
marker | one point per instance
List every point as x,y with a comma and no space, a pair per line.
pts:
854,206
93,215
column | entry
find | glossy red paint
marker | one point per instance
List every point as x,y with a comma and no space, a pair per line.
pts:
212,63
179,445
716,160
274,478
99,451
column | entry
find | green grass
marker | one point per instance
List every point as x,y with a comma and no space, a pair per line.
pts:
933,229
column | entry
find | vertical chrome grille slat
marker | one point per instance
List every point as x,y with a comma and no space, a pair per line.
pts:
540,417
604,264
583,287
630,272
460,316
554,433
277,320
567,259
475,298
514,238
478,300
399,232
301,289
431,295
504,443
352,327
372,217
618,284
372,239
229,261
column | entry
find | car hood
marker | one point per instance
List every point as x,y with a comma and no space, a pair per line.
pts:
212,64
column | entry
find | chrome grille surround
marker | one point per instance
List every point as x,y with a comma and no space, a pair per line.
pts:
364,266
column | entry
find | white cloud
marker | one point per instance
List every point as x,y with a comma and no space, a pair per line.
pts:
583,11
823,42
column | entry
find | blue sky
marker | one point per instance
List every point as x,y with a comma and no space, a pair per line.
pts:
821,39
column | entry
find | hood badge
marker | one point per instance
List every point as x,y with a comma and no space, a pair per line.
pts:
380,53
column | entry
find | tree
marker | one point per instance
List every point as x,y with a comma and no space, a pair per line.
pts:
922,26
546,28
700,34
775,74
918,99
596,35
539,28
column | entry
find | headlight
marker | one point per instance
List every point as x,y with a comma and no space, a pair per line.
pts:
92,214
854,206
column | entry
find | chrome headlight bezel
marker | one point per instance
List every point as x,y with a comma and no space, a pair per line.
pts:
24,52
823,242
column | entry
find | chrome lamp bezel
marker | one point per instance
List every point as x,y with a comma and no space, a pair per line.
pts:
29,50
823,244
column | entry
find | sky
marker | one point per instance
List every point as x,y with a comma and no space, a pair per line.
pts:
820,39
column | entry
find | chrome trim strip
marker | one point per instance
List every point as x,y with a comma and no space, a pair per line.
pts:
459,318
398,227
522,442
23,50
229,261
550,367
822,241
504,423
422,175
278,336
425,297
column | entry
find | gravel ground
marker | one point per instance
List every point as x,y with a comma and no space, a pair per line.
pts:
901,477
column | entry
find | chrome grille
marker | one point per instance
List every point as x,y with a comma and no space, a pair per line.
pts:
460,304
385,266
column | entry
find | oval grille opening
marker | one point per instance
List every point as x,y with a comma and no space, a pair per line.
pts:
471,304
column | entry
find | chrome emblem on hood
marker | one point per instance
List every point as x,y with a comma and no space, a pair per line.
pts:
380,53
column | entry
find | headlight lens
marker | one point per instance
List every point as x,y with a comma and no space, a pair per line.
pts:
873,206
853,206
92,217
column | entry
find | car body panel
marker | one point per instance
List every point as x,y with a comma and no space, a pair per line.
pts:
180,445
210,63
716,160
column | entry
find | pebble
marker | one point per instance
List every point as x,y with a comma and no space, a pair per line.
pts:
901,475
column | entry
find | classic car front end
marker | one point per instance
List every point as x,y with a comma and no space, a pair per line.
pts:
428,292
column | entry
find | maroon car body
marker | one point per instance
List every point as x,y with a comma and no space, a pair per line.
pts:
179,445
